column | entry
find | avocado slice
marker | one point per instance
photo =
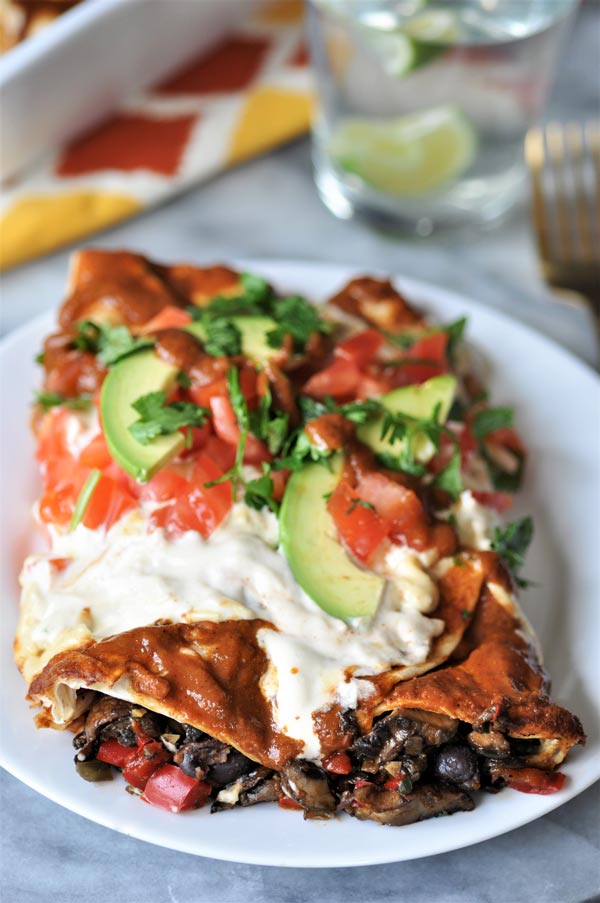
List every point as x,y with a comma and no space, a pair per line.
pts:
415,401
254,335
318,560
132,377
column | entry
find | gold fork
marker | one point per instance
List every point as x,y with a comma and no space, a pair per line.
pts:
564,164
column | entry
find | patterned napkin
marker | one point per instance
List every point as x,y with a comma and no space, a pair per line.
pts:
246,95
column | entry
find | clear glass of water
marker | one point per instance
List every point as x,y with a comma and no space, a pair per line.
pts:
423,105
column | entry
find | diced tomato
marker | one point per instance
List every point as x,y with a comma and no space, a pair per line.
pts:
169,788
340,380
115,753
107,504
533,780
361,348
338,763
227,429
221,453
372,385
286,803
248,386
398,507
506,437
499,501
144,762
360,529
202,394
123,479
170,317
199,436
96,453
219,497
166,484
425,359
51,436
60,564
279,478
56,505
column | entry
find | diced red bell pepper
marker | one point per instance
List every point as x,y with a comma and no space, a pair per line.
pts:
338,763
144,762
394,782
284,802
534,780
169,788
116,753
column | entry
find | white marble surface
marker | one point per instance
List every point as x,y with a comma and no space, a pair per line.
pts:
268,208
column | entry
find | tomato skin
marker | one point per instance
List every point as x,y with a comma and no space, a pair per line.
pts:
499,501
361,530
338,763
96,454
108,503
199,437
227,428
169,788
144,762
430,349
220,452
399,508
115,753
165,485
170,317
507,438
56,505
361,348
340,380
202,394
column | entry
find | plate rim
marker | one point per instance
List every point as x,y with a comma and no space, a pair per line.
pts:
422,291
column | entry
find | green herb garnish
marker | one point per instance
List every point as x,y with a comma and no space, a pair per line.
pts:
83,499
109,343
157,418
511,543
47,400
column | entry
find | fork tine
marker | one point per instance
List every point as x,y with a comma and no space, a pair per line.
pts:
583,216
555,140
534,153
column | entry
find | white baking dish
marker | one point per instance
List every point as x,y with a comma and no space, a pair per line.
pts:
74,72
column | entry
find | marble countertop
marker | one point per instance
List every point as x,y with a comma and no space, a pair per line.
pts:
268,208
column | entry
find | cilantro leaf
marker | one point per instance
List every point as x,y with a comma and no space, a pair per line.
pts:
359,503
270,426
47,400
356,411
253,300
183,380
223,338
449,479
455,332
295,317
511,543
489,419
298,451
259,492
157,418
109,343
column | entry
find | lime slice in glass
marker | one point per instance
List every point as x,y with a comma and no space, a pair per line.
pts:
435,26
409,156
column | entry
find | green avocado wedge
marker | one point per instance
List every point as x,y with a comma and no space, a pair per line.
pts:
419,402
253,332
318,560
126,382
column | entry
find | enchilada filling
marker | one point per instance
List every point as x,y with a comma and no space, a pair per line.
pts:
277,569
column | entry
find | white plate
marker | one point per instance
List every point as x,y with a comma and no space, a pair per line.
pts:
556,398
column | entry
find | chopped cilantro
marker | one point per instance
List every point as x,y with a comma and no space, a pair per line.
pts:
183,380
39,358
259,492
511,543
47,400
157,418
84,497
455,332
298,450
466,614
356,411
449,479
109,343
295,316
268,425
489,419
356,502
223,338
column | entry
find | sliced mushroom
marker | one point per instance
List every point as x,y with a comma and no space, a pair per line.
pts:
390,807
307,784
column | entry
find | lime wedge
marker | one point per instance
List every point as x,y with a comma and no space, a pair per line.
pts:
435,26
399,53
408,156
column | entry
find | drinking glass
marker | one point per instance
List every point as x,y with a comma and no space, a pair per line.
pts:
423,105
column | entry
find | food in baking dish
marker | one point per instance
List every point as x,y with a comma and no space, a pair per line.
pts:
277,568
